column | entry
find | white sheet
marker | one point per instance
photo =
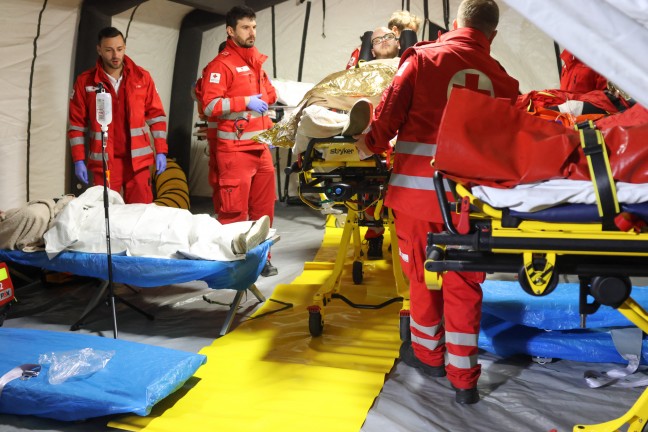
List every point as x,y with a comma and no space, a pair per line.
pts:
539,196
141,230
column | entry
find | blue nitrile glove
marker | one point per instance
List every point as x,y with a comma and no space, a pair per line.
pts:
81,171
257,104
160,163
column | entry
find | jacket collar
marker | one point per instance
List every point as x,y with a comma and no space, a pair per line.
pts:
467,35
251,56
130,70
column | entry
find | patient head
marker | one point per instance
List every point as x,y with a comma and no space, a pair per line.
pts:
482,15
384,43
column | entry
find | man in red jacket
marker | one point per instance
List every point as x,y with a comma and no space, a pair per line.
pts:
577,77
444,324
135,104
234,92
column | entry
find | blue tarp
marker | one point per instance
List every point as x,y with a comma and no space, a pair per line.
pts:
136,377
514,322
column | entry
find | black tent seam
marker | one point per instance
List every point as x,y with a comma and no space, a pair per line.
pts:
558,60
274,44
323,19
303,44
130,21
29,99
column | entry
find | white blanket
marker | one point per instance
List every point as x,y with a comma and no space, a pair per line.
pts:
140,230
539,196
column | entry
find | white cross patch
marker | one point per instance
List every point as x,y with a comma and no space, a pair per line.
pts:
472,79
242,69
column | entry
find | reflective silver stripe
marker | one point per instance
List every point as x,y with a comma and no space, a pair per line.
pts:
225,106
159,134
78,128
465,339
414,148
235,115
430,331
415,182
77,141
155,120
461,362
428,343
141,152
137,131
212,125
232,135
95,156
97,136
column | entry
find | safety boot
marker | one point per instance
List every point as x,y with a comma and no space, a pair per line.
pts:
374,249
466,396
269,270
407,355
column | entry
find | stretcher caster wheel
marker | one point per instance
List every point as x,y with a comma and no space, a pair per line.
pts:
357,272
526,286
404,324
315,324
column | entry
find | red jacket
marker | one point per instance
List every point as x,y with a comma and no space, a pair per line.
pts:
577,77
143,107
225,82
413,104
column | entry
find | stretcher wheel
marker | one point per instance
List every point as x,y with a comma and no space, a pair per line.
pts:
357,272
404,323
315,323
524,283
611,290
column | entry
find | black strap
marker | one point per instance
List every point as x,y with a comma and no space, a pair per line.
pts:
303,44
594,149
274,44
558,59
426,18
446,14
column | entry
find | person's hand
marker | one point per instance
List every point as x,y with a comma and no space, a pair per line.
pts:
160,163
257,104
363,150
81,171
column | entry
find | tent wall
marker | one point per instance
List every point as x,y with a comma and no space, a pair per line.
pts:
35,158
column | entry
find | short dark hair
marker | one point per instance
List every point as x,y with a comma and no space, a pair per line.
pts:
237,13
108,32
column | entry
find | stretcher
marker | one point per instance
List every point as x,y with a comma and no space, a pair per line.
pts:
604,252
331,169
146,272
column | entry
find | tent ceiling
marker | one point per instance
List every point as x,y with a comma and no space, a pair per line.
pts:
222,6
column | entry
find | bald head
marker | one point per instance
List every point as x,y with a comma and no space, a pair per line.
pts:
384,43
482,15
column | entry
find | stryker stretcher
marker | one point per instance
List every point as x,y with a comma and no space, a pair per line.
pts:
332,168
604,253
153,272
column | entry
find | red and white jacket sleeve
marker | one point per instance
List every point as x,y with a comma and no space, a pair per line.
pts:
394,105
156,118
216,79
78,121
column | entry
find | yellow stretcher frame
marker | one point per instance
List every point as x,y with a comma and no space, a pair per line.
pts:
331,168
584,249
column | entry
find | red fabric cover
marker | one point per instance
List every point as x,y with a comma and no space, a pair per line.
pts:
486,141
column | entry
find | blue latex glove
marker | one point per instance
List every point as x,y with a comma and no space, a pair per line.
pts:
81,171
257,104
160,163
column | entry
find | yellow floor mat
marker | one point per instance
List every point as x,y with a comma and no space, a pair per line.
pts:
270,375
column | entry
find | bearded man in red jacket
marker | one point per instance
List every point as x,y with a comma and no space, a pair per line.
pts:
233,93
135,104
444,324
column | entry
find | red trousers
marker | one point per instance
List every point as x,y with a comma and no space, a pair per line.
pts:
243,183
444,324
136,185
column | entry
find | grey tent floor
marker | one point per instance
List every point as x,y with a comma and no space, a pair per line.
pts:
517,394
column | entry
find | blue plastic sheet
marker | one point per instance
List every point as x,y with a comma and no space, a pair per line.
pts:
136,377
514,322
151,272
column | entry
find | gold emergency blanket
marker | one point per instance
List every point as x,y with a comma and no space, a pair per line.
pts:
339,91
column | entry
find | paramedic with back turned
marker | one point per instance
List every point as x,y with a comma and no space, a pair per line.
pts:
234,92
444,324
135,104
